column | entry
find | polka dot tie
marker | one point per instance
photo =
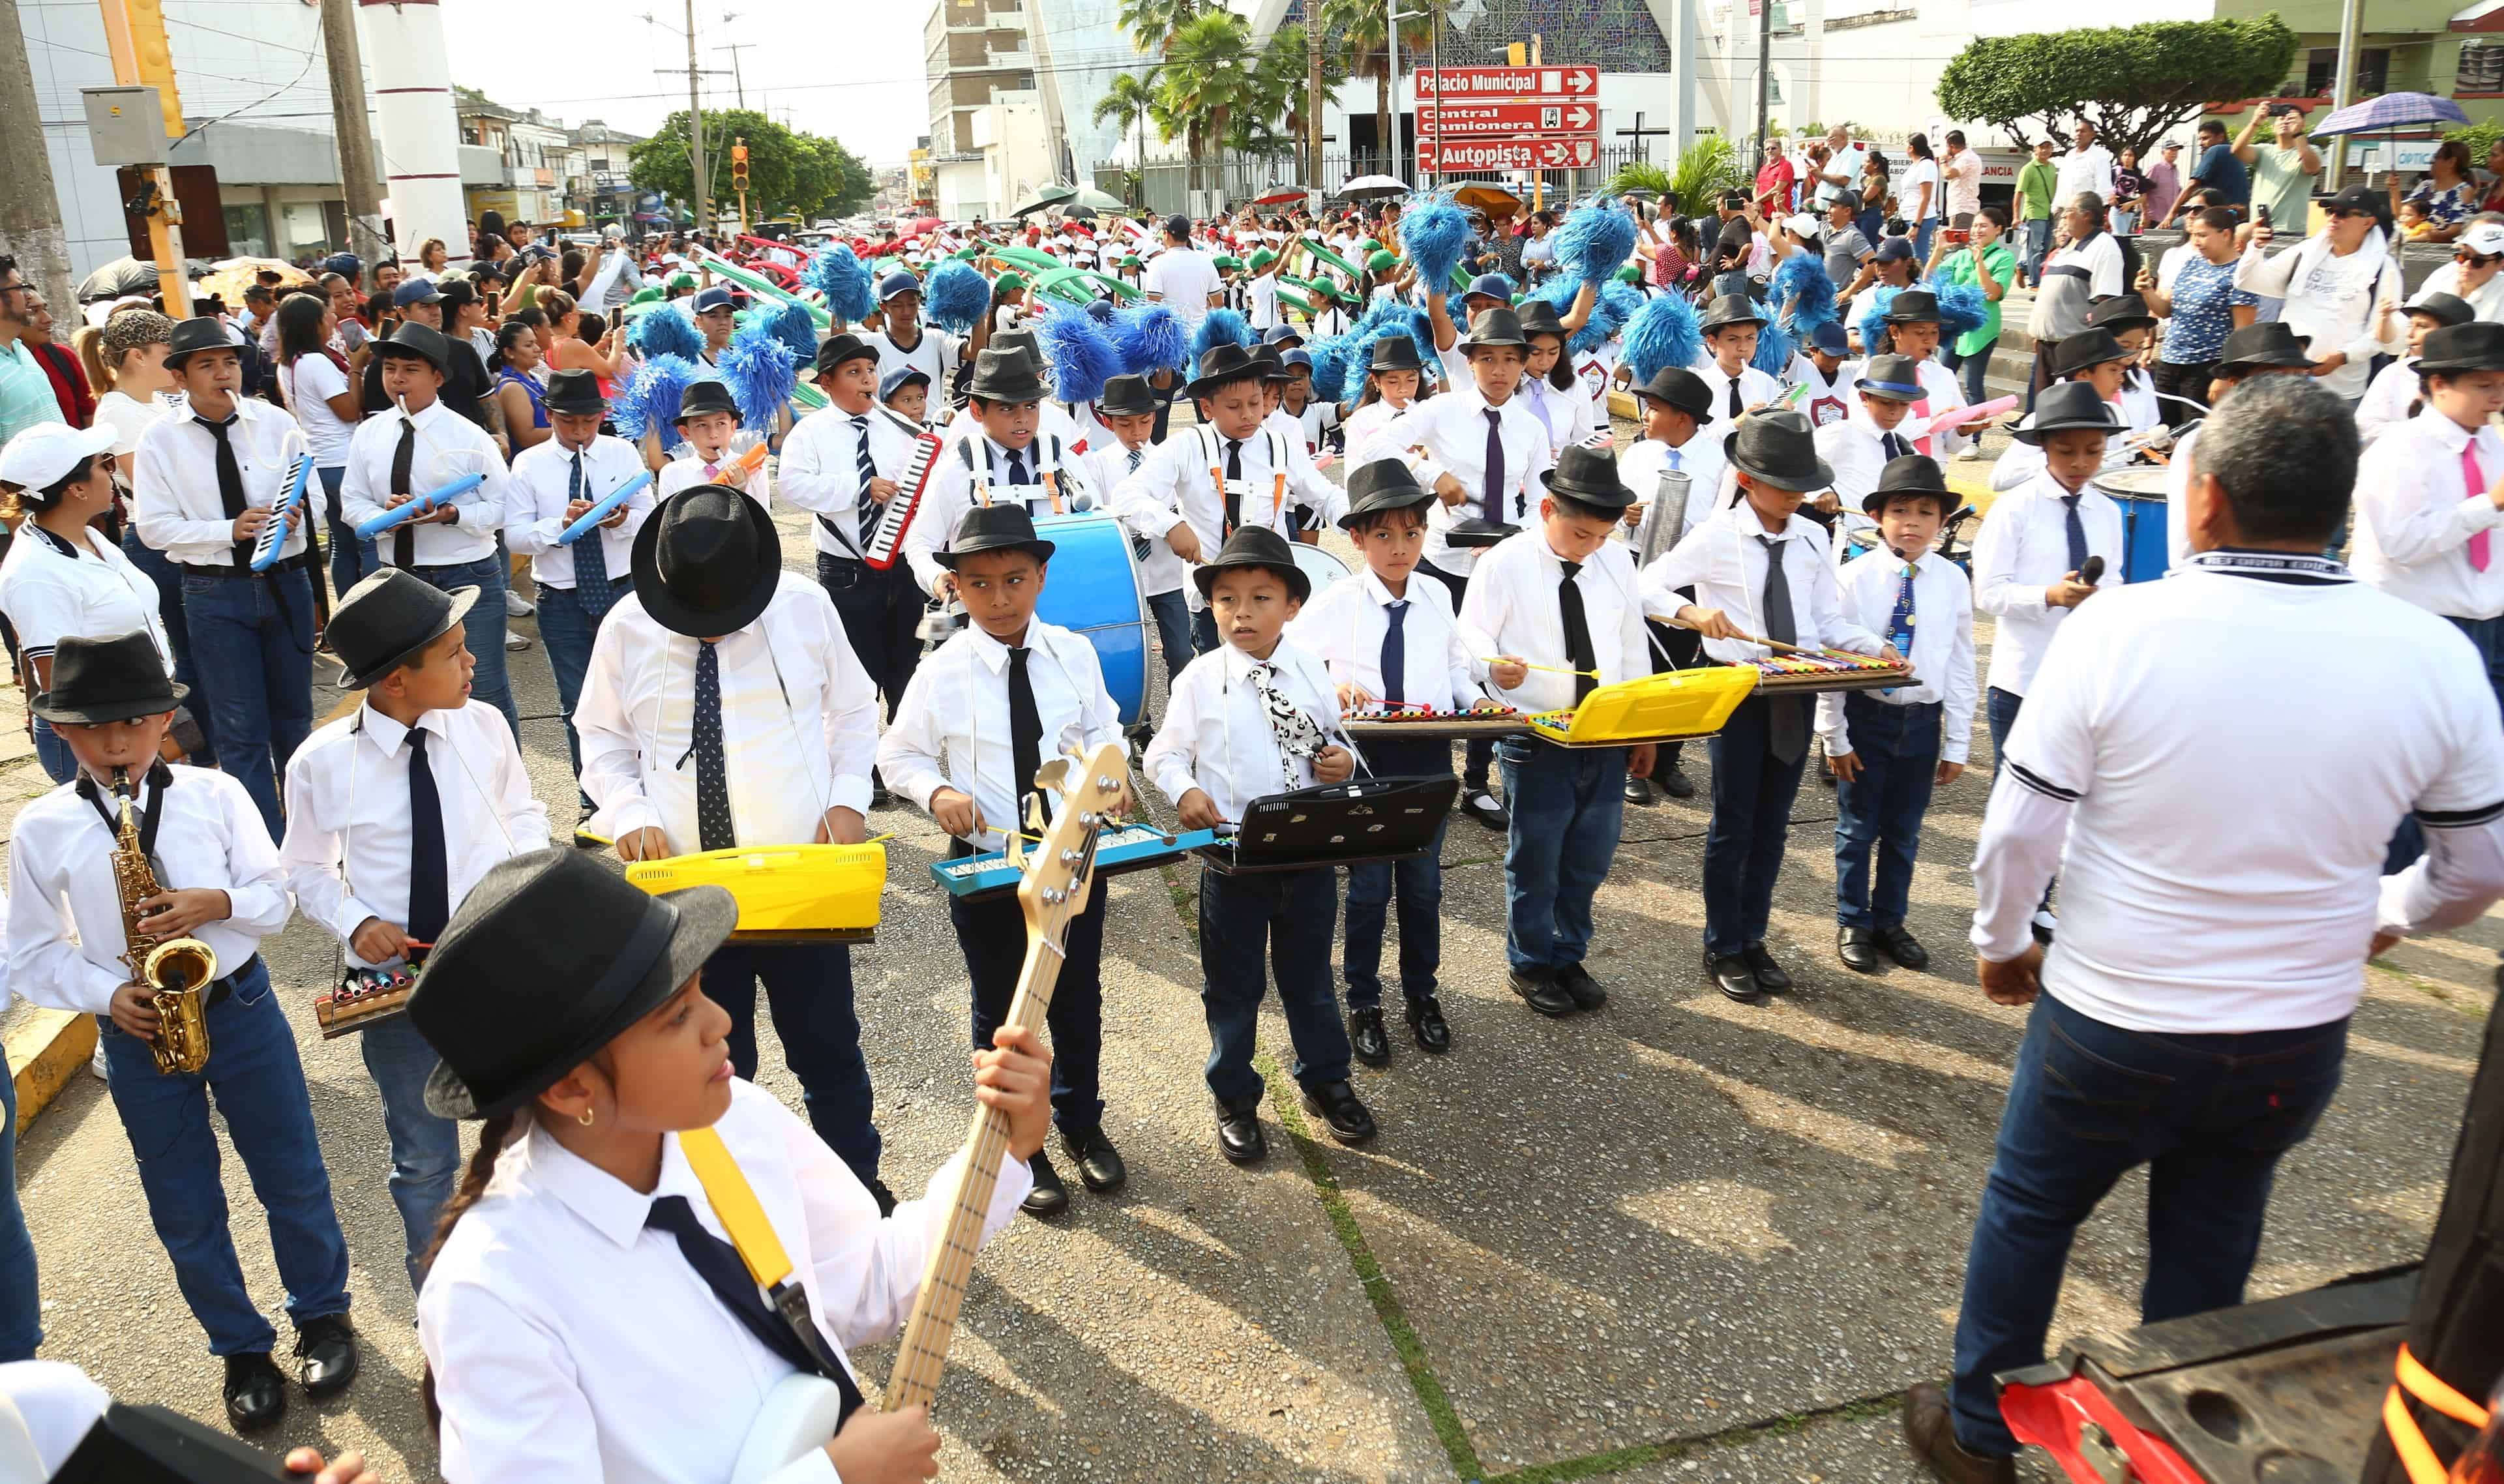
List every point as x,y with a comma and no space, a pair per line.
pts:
712,774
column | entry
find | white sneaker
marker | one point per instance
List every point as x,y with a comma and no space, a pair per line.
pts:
95,1064
518,642
1971,451
517,605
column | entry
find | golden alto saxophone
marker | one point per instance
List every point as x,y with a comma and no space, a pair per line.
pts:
179,970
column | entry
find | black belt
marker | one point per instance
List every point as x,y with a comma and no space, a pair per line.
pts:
301,561
220,989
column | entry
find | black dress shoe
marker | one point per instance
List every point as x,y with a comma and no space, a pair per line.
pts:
1426,1023
1335,1103
1540,988
1099,1164
1239,1132
1638,792
886,1199
1581,987
1858,947
1481,805
1770,976
1676,784
1931,1431
1904,947
255,1392
1365,1034
1049,1198
1731,975
328,1347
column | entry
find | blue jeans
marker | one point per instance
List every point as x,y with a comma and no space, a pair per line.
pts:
426,1150
2208,1114
1418,883
1567,807
1172,613
22,1312
1251,926
1922,235
483,628
1972,371
991,935
260,1090
809,988
352,558
1203,632
2038,237
1881,811
253,640
178,637
567,627
1478,754
61,763
1752,817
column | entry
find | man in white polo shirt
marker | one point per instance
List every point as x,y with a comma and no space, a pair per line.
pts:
2219,900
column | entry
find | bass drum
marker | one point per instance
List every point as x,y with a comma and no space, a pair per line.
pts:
1094,590
1324,567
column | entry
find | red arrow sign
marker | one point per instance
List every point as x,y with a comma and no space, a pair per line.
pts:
1510,121
1448,154
1552,82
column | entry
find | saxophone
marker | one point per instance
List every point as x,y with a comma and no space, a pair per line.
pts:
178,969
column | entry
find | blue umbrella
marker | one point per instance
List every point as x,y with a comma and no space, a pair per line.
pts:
2390,111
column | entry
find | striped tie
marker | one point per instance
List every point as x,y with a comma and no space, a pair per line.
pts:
592,588
871,513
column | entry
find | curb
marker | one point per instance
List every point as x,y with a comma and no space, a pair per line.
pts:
45,1052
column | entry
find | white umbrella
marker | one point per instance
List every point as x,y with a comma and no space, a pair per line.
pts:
1375,185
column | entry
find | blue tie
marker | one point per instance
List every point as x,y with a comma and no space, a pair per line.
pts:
1899,624
1395,651
591,586
2077,533
1677,461
1017,466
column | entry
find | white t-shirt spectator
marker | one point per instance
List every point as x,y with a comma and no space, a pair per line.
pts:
128,417
2090,169
1846,162
318,380
1962,172
1182,279
1908,191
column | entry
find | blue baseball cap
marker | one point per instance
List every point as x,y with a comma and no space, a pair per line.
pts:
714,297
1298,357
1828,336
1494,286
1281,335
895,282
900,378
416,291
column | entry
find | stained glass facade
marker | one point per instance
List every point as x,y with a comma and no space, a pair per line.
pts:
1615,35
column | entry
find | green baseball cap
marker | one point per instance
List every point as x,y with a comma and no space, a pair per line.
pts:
1009,282
1382,260
1262,259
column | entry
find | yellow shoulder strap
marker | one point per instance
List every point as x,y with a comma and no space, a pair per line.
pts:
736,1204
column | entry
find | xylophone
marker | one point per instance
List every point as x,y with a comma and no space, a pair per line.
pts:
365,999
1381,718
1131,847
1675,703
1825,669
819,893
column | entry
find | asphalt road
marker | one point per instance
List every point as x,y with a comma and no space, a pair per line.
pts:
1675,1239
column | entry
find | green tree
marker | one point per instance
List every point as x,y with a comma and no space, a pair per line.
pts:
1210,75
1273,121
1360,27
1705,170
1151,24
2133,83
789,173
1133,99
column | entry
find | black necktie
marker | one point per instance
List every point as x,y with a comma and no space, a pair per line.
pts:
871,512
1395,651
1017,468
2077,533
1786,717
1736,411
591,587
1025,731
230,479
720,1264
403,539
430,883
1578,635
1893,445
714,830
1493,489
1233,485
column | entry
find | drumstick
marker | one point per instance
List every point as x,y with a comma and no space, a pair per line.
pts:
1775,645
1554,669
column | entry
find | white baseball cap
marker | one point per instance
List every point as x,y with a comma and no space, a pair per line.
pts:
43,455
1803,226
2484,238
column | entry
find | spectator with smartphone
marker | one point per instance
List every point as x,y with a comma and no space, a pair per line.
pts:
2342,291
2287,170
2193,290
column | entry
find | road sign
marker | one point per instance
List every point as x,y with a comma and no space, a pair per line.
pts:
1495,82
1450,153
1510,120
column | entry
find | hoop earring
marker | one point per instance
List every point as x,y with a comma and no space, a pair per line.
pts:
584,1118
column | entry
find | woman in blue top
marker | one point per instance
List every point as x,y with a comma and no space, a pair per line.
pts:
518,394
2194,290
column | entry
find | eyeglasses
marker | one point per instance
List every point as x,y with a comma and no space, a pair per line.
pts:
2477,259
2344,212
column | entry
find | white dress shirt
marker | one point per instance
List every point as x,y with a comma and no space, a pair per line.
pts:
1181,480
349,834
1941,393
1109,465
449,447
2416,515
1700,459
571,1340
1942,648
1365,430
65,939
799,722
690,470
957,705
1452,430
1511,608
2392,398
1345,624
820,473
542,486
1216,734
1724,560
1858,451
2023,549
2076,170
977,472
934,354
1566,415
174,496
50,593
1755,387
2208,888
2178,501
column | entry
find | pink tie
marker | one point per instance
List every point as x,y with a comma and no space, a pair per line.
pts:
712,471
2478,545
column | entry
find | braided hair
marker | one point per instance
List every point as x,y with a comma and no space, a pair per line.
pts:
493,1135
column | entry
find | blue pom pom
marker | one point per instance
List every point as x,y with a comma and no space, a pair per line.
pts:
794,327
1434,231
1873,316
1596,239
958,296
1962,307
1082,357
1221,326
1150,338
650,400
1332,358
666,331
839,275
1803,283
1774,350
1665,333
761,371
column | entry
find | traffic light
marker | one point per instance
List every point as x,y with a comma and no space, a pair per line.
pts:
738,167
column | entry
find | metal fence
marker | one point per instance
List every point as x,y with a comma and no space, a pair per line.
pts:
1164,185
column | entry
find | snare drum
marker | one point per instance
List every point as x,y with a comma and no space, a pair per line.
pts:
2140,494
1094,591
1324,567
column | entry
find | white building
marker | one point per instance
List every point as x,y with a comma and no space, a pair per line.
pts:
1004,157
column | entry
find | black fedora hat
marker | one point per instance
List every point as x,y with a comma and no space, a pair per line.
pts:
1913,306
993,528
2456,349
707,563
1897,378
511,1007
1385,484
1006,376
424,342
1015,340
710,394
1778,448
1221,365
2268,343
577,394
1498,326
1910,475
2118,312
196,334
1256,546
2072,354
1539,318
2444,309
1126,397
1587,476
1272,362
1394,353
384,621
96,680
1675,386
1732,309
839,349
2068,407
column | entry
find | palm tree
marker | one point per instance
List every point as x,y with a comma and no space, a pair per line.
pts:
1361,25
1210,74
1151,24
1131,98
1276,121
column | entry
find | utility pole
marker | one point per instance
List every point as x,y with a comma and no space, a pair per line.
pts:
30,216
1765,77
1538,178
1435,65
134,35
2344,89
352,130
1312,105
737,81
695,131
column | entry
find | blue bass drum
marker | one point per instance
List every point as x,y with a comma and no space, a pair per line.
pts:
1092,589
